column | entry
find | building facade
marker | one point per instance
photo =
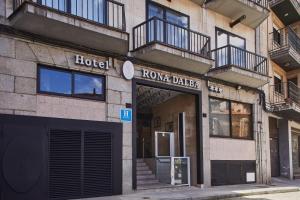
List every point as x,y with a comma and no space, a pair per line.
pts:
106,97
283,90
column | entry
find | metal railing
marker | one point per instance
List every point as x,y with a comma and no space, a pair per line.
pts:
284,93
261,3
285,37
106,12
296,3
157,30
234,56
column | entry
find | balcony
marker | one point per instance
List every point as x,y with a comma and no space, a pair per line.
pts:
162,42
284,100
97,24
238,66
254,11
288,11
200,2
285,49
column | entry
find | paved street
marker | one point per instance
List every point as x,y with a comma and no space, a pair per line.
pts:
280,196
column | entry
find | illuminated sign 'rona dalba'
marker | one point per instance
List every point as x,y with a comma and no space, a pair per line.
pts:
176,80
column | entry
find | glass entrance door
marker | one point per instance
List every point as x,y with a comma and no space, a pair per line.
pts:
164,151
164,144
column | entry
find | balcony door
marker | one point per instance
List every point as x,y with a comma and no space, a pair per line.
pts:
169,26
236,53
94,10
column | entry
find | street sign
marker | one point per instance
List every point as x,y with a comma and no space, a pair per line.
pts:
126,115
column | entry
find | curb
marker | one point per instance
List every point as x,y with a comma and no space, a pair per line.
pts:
227,196
234,195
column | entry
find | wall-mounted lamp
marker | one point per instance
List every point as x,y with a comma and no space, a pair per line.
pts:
239,87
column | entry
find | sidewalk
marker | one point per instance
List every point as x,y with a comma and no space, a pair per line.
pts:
194,193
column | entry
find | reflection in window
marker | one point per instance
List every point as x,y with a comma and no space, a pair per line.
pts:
55,81
70,83
237,53
89,9
170,28
230,119
241,115
219,120
88,85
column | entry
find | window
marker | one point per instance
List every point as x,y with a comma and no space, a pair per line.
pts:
241,116
55,81
219,121
278,83
171,27
224,38
69,83
276,36
230,119
92,9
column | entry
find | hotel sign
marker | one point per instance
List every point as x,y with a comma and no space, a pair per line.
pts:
176,80
81,60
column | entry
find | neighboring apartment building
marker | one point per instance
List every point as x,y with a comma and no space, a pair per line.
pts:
194,73
284,96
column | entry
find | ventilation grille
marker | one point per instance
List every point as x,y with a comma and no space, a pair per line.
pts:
80,164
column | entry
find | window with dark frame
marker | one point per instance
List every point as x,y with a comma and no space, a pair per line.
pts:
230,119
237,54
71,83
171,27
278,84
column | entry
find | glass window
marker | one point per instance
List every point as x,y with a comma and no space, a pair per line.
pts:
88,85
71,83
241,116
238,56
55,81
172,25
219,120
278,84
230,119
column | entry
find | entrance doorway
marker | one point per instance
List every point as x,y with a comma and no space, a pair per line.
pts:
274,147
166,137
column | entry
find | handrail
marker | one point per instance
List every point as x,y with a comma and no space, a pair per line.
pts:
156,30
285,37
261,3
230,55
111,13
284,93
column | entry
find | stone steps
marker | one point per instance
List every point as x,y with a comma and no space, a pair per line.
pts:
145,177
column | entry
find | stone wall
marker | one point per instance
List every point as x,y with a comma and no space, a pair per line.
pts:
19,59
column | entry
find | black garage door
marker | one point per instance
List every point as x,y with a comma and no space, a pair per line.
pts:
47,158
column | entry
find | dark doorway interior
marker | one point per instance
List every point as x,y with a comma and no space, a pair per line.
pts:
166,130
274,147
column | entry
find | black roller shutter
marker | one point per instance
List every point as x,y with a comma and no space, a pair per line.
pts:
80,164
64,164
97,164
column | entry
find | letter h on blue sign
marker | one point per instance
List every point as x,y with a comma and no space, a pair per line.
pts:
126,115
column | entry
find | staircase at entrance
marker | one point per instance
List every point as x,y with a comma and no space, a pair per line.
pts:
145,177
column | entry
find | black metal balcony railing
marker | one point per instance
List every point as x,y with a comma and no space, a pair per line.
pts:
285,37
233,56
284,93
261,3
106,12
296,3
156,30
